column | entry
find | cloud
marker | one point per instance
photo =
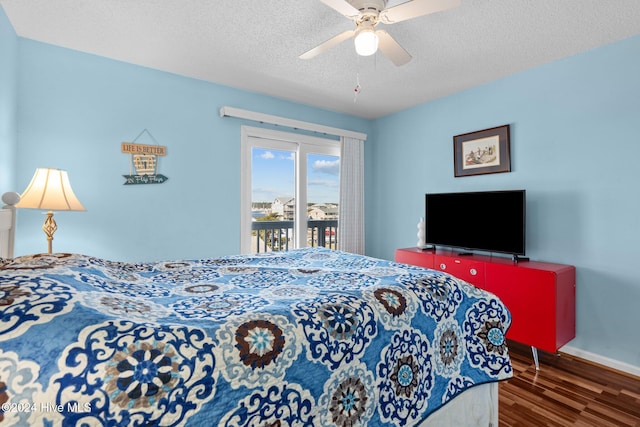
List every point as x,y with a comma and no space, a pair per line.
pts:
267,155
323,183
266,194
328,167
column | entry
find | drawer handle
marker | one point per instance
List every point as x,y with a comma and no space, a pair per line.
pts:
443,266
473,271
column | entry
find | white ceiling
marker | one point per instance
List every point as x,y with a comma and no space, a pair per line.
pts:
255,44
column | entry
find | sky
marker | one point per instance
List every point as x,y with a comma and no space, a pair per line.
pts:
273,175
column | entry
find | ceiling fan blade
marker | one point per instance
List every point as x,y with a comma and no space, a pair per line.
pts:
328,44
392,49
342,7
415,8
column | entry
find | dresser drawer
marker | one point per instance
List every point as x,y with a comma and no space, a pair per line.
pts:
415,256
465,269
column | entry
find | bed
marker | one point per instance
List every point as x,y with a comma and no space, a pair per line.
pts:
307,337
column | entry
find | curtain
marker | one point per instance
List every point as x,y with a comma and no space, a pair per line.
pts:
351,214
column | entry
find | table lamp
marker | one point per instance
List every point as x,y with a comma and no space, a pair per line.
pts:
50,190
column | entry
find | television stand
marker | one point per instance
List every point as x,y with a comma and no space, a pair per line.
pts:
518,258
541,296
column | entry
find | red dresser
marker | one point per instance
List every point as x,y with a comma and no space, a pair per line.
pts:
541,296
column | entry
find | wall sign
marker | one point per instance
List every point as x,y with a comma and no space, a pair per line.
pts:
144,160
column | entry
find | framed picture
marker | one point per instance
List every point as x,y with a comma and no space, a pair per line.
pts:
482,152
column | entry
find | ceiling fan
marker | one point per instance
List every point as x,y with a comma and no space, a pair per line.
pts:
366,14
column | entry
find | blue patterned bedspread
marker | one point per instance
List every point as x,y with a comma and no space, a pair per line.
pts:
309,337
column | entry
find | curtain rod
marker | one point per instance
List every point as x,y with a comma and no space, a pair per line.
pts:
282,121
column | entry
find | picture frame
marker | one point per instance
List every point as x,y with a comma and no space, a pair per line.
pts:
482,152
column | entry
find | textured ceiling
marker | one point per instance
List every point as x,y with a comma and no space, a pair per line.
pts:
255,44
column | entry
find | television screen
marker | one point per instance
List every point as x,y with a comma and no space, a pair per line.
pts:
492,221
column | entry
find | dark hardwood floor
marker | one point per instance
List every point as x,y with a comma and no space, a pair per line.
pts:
566,391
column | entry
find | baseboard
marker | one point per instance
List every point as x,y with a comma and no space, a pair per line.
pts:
601,360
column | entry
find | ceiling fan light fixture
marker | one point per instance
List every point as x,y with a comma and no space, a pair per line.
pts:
366,42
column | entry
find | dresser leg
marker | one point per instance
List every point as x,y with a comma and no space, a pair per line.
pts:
534,351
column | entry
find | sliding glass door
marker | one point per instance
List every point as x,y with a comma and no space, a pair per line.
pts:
290,191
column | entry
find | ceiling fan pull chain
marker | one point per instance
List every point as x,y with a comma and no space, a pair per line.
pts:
357,89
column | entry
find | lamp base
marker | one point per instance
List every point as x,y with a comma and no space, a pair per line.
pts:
49,227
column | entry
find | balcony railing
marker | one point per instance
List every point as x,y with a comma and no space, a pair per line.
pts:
278,235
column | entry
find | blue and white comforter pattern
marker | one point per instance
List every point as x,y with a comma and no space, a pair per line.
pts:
309,337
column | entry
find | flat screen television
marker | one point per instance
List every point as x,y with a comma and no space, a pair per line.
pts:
492,221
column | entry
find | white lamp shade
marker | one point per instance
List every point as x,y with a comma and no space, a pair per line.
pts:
50,189
366,42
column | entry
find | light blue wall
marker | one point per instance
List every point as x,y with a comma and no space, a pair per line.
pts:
8,102
575,144
74,111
